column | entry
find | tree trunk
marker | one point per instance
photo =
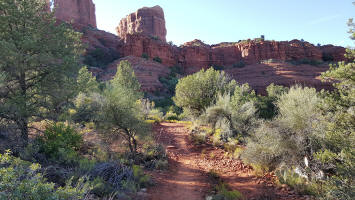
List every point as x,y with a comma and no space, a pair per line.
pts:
24,131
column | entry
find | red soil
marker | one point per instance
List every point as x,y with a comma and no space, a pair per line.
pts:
187,177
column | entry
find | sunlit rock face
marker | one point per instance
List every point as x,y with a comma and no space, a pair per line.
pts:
146,21
77,11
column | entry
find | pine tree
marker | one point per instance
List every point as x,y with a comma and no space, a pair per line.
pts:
40,59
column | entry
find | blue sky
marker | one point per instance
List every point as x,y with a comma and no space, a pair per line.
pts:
215,21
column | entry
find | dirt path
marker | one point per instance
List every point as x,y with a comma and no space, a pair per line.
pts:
183,180
187,177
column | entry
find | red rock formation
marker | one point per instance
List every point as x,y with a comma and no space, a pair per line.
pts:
79,11
333,53
148,21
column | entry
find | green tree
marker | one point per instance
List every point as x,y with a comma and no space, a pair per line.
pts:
194,93
121,112
40,59
86,82
125,77
338,151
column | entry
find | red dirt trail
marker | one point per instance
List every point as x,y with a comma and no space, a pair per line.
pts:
187,177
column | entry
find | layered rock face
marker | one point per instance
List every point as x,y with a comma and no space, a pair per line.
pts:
333,53
79,11
147,21
197,55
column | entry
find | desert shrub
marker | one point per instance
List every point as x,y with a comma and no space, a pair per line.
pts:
60,143
21,180
120,177
170,115
224,193
87,107
233,115
145,56
298,183
292,136
100,57
327,57
266,105
113,173
194,93
170,83
239,64
218,67
157,59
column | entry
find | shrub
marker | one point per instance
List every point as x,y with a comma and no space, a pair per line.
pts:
293,136
60,143
21,180
224,193
145,56
239,64
327,57
100,57
157,59
194,93
218,67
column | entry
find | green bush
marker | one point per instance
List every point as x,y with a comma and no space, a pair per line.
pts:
239,64
194,93
157,59
293,135
145,56
224,193
60,143
22,180
100,57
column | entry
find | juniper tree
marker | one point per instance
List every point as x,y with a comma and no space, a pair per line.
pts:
40,59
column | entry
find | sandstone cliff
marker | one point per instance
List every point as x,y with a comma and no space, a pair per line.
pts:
147,21
79,11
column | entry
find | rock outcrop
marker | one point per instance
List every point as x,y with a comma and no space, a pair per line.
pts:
147,21
77,11
197,55
333,53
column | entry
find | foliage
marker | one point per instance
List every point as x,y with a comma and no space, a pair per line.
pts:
194,93
119,177
224,193
121,112
145,56
239,64
86,107
60,143
231,115
338,152
218,67
86,82
100,58
292,136
40,59
22,180
157,59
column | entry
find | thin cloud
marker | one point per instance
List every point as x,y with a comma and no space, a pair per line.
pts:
324,19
